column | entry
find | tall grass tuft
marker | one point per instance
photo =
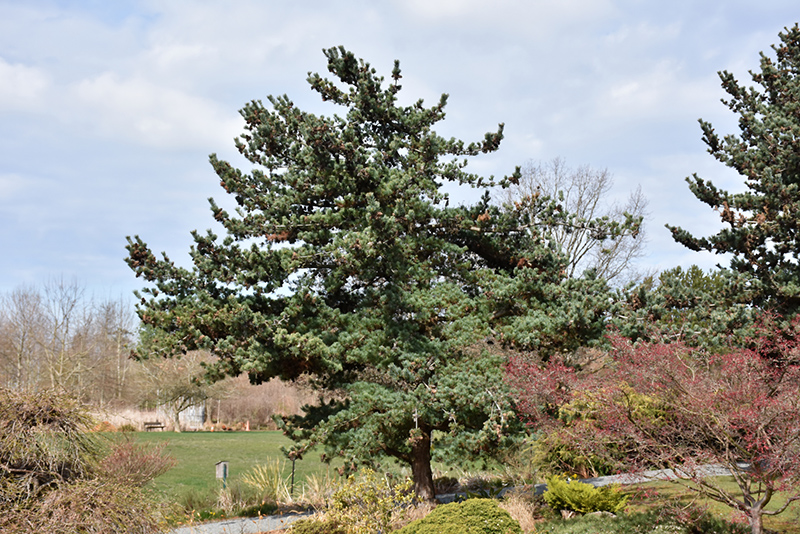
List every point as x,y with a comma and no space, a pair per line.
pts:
269,481
318,491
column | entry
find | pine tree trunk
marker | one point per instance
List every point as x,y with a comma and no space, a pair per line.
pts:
421,465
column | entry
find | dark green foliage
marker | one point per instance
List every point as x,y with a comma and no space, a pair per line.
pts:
707,309
473,516
760,224
345,265
554,452
446,484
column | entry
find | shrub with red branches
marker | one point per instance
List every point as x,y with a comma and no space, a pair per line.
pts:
668,406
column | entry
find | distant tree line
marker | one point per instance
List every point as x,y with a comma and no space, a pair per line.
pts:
57,337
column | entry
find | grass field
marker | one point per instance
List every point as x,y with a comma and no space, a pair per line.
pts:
787,523
198,452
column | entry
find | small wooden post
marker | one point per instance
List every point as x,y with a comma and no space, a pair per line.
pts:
222,472
291,492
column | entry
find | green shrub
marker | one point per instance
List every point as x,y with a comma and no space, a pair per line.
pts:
554,453
632,524
365,503
317,526
368,502
640,523
194,499
258,510
474,516
583,498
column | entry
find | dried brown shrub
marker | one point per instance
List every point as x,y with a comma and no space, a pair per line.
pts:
136,464
55,477
86,506
44,440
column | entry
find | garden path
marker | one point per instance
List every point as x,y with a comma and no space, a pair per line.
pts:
250,525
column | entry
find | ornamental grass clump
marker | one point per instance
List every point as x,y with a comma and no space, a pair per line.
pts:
269,481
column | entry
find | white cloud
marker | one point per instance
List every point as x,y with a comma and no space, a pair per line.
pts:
142,111
10,184
534,15
169,57
21,87
644,33
659,92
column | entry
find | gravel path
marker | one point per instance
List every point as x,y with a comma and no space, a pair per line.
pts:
248,525
650,476
647,476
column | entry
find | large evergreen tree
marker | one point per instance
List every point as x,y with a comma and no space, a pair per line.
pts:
345,265
762,227
705,309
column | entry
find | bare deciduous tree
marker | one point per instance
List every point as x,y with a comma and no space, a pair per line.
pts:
115,326
584,191
20,328
174,385
56,337
66,339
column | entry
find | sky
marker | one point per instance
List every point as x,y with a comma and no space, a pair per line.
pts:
109,110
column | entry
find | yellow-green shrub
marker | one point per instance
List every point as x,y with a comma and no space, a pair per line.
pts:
473,516
364,504
583,498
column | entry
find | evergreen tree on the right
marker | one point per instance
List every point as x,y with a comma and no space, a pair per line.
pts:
762,224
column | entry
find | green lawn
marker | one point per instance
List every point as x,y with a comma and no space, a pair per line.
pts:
788,522
198,452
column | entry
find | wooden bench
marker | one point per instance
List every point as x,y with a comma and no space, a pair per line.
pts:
153,425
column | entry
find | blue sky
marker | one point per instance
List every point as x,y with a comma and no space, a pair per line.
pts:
109,110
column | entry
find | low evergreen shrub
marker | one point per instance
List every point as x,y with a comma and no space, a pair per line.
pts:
365,503
368,502
474,516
